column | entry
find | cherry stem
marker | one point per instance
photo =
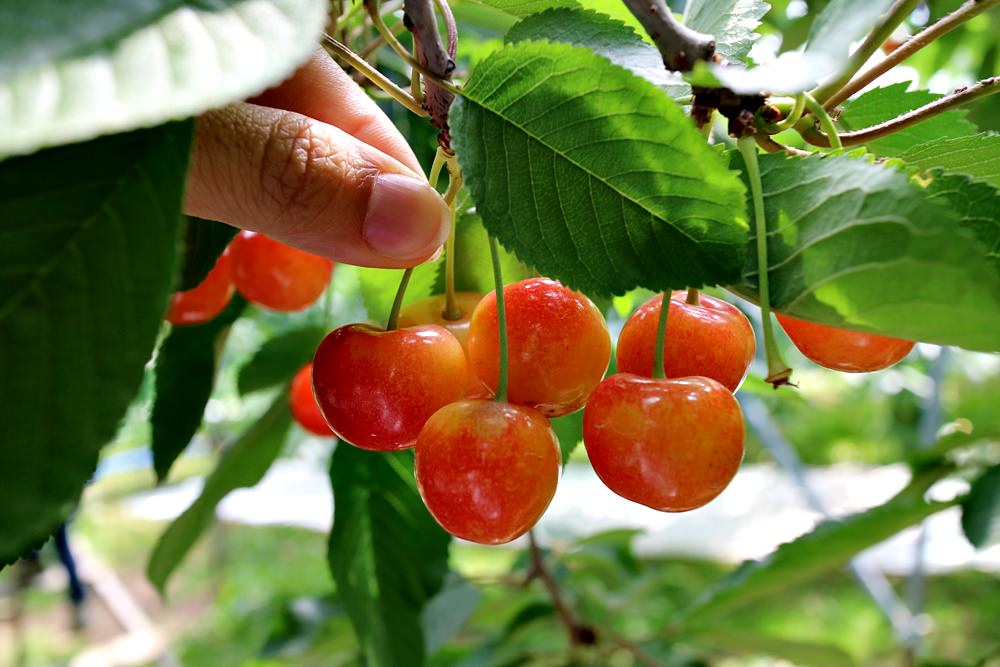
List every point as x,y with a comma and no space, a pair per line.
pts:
501,394
372,74
661,337
778,371
788,121
372,8
451,309
575,630
824,120
397,303
692,297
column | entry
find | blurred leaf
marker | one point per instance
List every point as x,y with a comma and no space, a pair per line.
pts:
843,22
614,545
387,554
279,358
89,254
981,510
569,430
731,22
525,7
882,104
830,546
977,156
185,373
447,612
791,72
70,73
242,465
473,266
593,176
851,244
734,640
379,286
204,241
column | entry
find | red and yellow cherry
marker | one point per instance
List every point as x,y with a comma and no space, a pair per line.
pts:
276,276
557,340
376,388
305,410
843,349
431,311
208,299
669,444
711,338
487,470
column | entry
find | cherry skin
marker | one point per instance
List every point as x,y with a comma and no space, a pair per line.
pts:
669,444
431,311
376,388
305,410
276,276
487,470
208,299
557,340
843,349
711,338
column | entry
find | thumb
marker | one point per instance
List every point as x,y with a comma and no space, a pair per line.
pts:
312,186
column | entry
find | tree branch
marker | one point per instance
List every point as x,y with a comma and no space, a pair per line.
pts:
680,46
579,634
961,96
969,10
418,16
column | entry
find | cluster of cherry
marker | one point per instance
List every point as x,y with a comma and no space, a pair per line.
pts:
487,469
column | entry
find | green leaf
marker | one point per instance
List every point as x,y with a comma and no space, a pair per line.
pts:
593,176
977,206
279,358
204,241
447,612
830,546
604,36
387,554
791,72
843,22
731,22
981,510
977,156
882,104
378,287
243,465
526,7
473,266
569,430
858,245
90,237
735,640
185,373
72,72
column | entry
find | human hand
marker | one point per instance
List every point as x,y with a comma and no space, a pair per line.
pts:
314,163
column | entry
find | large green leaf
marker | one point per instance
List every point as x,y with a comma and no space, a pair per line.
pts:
279,358
90,236
72,71
856,244
881,104
204,241
387,555
977,206
981,510
977,156
737,640
243,464
594,176
185,373
731,22
830,546
526,7
604,36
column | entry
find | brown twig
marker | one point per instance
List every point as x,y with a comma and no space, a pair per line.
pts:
680,46
772,146
961,96
336,48
418,17
579,634
969,10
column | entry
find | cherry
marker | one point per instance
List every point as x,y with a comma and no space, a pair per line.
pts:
487,470
376,388
558,342
843,349
208,299
431,311
669,444
305,410
711,338
277,276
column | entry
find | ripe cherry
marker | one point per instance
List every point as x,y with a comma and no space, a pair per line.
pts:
711,338
277,276
208,299
431,311
305,410
843,349
376,388
669,444
558,342
487,470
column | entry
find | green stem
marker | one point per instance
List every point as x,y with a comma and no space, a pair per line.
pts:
778,371
451,308
501,394
692,296
373,75
788,121
661,337
397,303
824,120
